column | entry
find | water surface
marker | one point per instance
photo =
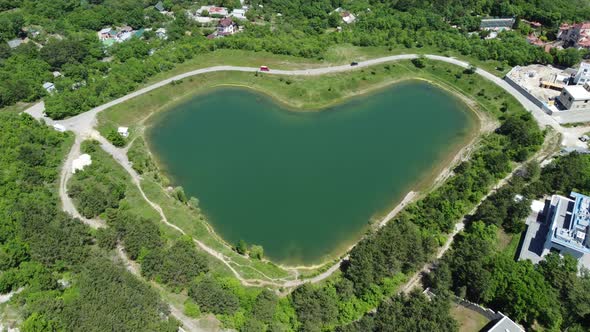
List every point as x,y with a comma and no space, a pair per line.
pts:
304,185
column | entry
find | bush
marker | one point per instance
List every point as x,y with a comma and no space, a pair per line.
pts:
115,138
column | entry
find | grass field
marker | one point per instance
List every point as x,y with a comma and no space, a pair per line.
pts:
469,320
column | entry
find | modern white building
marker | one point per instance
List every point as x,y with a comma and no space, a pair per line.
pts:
575,97
569,227
583,75
505,324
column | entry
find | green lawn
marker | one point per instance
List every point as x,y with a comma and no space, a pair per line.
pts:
310,93
469,320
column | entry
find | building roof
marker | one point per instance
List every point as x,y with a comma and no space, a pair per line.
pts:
577,92
15,43
489,23
570,223
159,6
505,325
225,22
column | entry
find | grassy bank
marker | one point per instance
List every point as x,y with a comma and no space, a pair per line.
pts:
310,93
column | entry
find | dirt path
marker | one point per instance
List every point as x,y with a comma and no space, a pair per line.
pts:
83,126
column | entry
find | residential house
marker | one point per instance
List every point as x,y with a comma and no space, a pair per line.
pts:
212,11
505,324
226,26
161,33
575,97
582,76
49,87
497,24
576,35
160,7
240,14
109,36
346,16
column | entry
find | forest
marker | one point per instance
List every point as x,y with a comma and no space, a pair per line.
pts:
69,277
92,74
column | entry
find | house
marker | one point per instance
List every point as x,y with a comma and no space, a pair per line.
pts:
60,128
79,163
505,324
240,14
123,131
346,16
212,11
576,35
160,6
161,33
497,24
582,76
50,87
109,36
14,43
534,40
226,26
575,97
569,227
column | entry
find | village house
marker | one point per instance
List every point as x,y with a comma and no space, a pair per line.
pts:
212,11
347,17
496,25
108,36
582,76
226,27
49,87
575,35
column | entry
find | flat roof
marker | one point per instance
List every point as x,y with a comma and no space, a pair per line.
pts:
571,221
505,325
577,92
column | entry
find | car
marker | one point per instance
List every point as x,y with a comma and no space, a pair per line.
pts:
354,63
264,68
584,138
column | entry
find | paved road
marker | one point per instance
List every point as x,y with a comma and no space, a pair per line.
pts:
83,126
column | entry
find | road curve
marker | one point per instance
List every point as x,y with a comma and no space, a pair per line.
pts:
83,126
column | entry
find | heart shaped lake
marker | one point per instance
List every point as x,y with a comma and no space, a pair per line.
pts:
305,185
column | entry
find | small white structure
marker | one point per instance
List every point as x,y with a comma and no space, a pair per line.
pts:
59,127
161,33
79,163
50,87
123,131
56,74
239,13
348,17
575,97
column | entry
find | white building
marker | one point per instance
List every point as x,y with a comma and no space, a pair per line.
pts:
79,163
50,87
583,74
239,13
123,131
575,97
60,128
161,33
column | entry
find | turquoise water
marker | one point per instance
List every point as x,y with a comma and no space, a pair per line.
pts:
304,185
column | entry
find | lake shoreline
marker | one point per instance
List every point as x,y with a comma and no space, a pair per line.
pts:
427,179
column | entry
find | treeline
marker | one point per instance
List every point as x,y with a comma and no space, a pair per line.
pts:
551,293
68,284
92,74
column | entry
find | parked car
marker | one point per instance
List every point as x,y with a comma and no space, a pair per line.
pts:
584,138
354,63
264,68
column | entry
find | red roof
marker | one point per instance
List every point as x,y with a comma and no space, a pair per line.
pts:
225,22
214,10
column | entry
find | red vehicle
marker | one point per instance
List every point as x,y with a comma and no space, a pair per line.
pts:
264,68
